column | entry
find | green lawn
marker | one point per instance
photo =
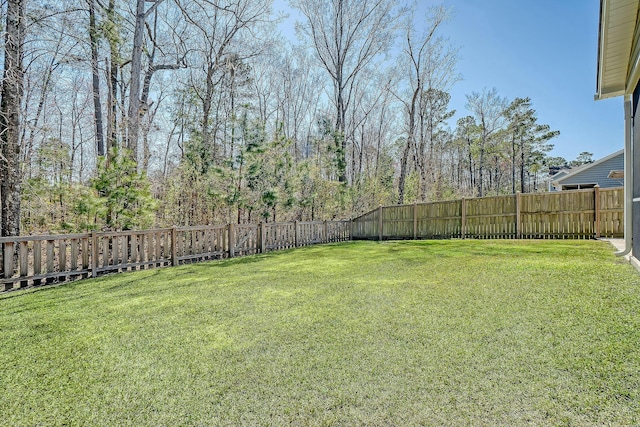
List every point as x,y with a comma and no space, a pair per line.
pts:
398,333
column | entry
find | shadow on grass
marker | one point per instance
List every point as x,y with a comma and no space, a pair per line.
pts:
191,268
249,259
84,288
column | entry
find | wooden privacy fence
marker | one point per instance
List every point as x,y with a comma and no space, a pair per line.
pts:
575,214
37,260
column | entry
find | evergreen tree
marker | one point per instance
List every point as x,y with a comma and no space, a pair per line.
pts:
126,194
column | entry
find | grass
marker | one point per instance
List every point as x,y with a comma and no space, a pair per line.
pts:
398,333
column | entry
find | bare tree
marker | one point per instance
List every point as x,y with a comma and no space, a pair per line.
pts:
347,35
133,115
95,75
488,109
428,62
216,28
112,36
298,99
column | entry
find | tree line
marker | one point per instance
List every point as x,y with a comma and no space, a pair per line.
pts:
118,115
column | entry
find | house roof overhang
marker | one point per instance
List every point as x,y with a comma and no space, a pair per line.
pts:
618,49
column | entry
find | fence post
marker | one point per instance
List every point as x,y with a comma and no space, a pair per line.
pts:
2,259
24,263
596,215
259,238
518,217
232,240
415,220
174,246
23,258
263,240
463,219
380,223
8,264
350,229
85,255
94,254
50,245
37,261
296,235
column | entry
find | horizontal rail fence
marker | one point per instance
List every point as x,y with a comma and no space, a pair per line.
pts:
578,214
38,260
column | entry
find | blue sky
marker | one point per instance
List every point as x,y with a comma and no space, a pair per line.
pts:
543,49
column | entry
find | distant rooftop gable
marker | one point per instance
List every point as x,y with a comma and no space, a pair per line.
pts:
562,172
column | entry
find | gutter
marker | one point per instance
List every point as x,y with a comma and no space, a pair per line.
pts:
628,183
601,37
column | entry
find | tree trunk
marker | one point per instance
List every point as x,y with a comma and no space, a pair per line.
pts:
12,88
97,105
341,149
112,96
340,102
522,187
472,172
403,171
484,140
133,114
480,171
207,141
513,165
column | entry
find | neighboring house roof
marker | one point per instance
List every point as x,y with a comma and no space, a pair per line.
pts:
597,172
618,54
561,173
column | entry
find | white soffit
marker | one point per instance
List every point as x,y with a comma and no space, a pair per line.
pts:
616,48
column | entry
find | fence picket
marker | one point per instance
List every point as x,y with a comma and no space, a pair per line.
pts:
37,261
62,255
74,255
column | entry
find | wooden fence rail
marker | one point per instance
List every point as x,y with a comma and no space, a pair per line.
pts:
37,260
578,214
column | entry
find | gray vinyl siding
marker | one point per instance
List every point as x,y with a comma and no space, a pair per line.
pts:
597,174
